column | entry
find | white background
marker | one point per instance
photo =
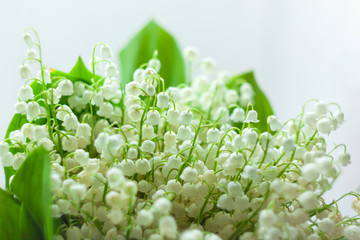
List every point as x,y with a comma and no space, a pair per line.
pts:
298,49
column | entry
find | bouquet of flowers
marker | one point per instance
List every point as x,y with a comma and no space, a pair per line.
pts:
171,148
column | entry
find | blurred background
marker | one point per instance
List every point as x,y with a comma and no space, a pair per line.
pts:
298,49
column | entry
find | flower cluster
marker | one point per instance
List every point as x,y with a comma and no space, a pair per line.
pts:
140,161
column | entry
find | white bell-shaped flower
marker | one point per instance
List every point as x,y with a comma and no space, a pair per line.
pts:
189,175
184,133
148,146
252,116
20,107
65,88
25,71
208,65
78,191
167,227
169,138
153,117
273,123
185,118
162,100
132,88
28,39
173,116
144,218
148,132
81,156
191,54
33,110
26,93
150,89
106,52
213,135
137,76
321,108
135,113
111,70
115,177
238,115
155,64
324,126
142,166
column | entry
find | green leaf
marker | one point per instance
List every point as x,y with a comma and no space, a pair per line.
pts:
78,73
28,228
141,49
9,216
31,184
262,104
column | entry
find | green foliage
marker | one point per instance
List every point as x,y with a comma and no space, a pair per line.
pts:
28,228
141,49
9,216
262,104
31,184
78,73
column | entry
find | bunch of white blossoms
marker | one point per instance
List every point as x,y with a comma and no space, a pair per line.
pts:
144,162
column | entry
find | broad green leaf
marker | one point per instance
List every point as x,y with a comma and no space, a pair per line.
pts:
78,73
28,228
9,216
141,49
262,104
31,184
